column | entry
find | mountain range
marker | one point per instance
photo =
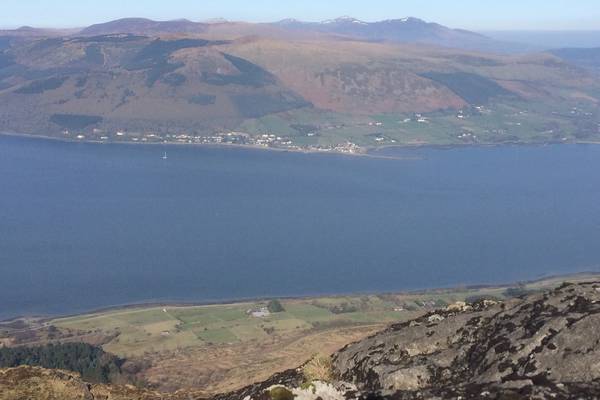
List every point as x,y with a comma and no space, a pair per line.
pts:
316,84
143,26
401,30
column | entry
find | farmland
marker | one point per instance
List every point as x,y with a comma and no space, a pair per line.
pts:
216,348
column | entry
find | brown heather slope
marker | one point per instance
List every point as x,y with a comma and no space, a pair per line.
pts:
369,78
353,77
227,367
34,383
135,83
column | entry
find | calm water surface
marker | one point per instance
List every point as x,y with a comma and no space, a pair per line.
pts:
84,226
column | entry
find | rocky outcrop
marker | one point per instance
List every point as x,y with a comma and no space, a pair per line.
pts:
34,383
544,346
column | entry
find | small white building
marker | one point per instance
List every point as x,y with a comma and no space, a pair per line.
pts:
262,312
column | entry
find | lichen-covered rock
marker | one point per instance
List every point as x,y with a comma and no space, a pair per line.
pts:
544,346
324,391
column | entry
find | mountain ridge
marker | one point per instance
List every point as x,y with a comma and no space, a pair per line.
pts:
144,26
396,30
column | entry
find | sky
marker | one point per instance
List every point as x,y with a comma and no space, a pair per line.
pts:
479,15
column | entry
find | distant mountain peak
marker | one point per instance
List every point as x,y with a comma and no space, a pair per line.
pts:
144,26
397,30
344,20
351,20
289,21
408,20
218,20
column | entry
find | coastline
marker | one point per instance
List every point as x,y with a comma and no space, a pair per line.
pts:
583,275
366,153
478,145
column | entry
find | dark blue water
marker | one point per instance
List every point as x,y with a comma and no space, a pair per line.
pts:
84,226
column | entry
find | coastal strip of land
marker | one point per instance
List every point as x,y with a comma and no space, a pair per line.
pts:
219,347
341,151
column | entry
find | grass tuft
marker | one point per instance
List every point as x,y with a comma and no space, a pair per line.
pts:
319,368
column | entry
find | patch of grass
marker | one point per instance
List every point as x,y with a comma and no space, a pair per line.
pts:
308,312
143,317
247,332
229,313
161,327
319,368
281,393
195,316
219,335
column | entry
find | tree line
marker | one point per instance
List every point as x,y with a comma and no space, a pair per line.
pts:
93,363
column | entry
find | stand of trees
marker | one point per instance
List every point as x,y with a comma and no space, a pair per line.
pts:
275,306
91,362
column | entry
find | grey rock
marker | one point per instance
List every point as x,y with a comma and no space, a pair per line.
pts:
543,346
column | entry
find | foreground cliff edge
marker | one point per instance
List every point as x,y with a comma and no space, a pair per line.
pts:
539,347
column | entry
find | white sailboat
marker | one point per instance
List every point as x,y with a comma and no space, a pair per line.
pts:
164,157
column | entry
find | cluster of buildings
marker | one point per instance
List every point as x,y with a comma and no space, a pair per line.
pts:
416,118
270,140
467,136
347,148
238,138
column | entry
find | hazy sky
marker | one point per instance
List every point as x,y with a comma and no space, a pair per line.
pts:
468,14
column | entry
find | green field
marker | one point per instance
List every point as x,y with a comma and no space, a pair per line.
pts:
496,123
135,331
168,328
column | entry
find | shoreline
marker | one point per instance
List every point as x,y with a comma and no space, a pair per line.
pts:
239,301
368,151
478,145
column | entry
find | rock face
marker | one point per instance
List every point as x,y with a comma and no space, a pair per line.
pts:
544,346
